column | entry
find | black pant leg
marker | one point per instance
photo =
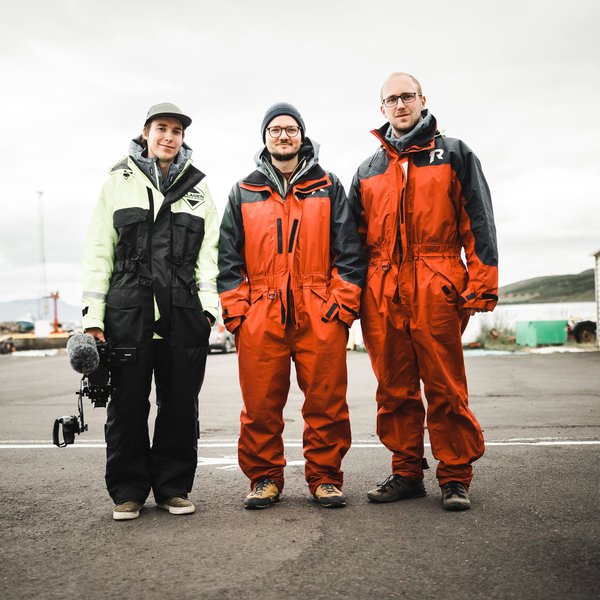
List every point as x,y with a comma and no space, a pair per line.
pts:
126,430
179,374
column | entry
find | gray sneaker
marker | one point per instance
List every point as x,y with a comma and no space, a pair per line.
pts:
127,510
455,496
396,487
178,505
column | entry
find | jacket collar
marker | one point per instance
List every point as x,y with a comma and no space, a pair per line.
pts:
149,166
421,137
308,167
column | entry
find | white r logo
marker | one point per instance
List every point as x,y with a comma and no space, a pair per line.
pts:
439,153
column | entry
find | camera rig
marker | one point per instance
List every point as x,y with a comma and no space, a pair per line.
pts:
97,386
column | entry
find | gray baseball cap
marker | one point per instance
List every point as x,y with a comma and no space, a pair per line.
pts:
166,109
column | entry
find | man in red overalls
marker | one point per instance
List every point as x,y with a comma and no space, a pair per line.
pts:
424,202
291,268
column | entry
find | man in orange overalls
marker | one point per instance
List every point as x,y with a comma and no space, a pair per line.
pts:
424,202
291,269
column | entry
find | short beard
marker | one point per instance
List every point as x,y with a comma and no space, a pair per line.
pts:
284,157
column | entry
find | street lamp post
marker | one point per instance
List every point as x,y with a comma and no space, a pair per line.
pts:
44,284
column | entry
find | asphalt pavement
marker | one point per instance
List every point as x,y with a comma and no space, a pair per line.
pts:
533,531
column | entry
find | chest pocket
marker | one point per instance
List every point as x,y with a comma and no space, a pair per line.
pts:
187,236
132,227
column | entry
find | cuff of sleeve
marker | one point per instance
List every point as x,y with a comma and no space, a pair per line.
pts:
232,323
348,315
90,322
210,303
93,315
330,311
484,301
233,315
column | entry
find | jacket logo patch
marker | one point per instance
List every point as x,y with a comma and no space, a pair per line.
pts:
437,153
194,199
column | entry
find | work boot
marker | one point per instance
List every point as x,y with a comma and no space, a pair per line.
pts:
329,496
455,496
127,510
177,505
264,494
396,487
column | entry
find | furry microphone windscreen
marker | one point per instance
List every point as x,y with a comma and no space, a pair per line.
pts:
83,354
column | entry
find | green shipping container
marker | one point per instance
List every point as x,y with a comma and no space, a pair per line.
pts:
538,333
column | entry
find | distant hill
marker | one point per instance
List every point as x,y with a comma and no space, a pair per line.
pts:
554,288
15,309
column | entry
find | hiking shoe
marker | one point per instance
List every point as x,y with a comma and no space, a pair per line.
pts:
177,505
396,487
264,494
329,496
455,496
127,510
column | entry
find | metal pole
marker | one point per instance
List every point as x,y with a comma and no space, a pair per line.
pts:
44,308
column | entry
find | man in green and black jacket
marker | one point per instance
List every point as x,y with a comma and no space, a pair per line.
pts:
150,266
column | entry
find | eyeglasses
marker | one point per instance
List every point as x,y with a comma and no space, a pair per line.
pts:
275,132
406,98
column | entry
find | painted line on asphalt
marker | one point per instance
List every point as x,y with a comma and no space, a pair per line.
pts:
31,445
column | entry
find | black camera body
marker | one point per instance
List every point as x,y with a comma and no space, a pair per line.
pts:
97,386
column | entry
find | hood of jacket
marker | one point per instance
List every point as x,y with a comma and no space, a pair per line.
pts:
149,166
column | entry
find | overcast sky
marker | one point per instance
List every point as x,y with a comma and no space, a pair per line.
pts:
518,81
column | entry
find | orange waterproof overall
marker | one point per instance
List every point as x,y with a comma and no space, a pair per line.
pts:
291,270
422,204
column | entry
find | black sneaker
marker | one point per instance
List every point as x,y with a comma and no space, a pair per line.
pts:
396,487
329,496
455,496
264,494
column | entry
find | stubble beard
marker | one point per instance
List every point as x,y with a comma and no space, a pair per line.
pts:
403,130
284,157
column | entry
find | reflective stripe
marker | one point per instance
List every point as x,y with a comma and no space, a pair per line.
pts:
97,295
207,286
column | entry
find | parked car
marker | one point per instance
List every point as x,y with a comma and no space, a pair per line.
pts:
220,339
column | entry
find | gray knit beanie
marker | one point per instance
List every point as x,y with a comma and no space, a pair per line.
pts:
282,108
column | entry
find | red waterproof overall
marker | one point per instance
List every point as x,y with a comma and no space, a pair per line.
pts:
289,290
416,219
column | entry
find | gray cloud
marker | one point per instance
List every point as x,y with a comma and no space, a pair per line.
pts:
515,80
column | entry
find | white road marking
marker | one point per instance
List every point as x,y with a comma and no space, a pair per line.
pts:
33,444
230,463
